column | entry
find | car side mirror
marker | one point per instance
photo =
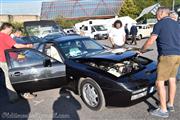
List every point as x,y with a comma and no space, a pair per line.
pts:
47,63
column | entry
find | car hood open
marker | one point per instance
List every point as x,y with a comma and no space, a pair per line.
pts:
108,55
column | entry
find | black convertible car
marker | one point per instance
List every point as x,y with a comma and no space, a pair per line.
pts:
102,77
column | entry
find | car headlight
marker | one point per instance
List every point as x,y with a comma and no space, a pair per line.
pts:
134,97
140,90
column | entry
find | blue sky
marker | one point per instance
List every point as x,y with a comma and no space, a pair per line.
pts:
19,7
26,7
23,0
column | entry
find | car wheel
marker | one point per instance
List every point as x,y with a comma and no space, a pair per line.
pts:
140,37
92,94
96,37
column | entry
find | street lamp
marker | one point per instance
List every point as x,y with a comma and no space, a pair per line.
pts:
173,5
1,7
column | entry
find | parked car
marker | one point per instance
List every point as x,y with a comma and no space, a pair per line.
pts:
70,31
93,29
102,77
42,28
144,30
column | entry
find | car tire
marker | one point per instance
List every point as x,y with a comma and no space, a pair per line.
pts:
92,94
96,37
140,37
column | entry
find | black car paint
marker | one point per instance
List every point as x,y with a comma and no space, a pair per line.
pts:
117,91
37,77
114,89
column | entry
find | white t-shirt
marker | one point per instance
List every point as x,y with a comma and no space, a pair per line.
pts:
118,36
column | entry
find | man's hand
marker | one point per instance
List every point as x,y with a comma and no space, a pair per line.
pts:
139,53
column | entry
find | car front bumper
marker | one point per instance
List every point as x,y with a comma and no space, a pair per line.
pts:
102,36
125,98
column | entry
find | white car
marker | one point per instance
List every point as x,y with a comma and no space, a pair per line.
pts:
144,30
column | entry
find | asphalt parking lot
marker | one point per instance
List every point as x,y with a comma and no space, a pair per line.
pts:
59,105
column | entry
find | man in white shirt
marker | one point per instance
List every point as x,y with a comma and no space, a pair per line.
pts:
117,35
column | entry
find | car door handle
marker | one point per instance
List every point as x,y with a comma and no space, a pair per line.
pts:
17,74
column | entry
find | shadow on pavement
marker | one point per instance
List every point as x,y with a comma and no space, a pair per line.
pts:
150,105
19,110
66,106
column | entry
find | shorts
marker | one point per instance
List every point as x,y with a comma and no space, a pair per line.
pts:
167,67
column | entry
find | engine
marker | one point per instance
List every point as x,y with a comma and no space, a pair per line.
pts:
116,69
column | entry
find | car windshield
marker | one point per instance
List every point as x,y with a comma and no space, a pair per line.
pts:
80,48
41,31
99,28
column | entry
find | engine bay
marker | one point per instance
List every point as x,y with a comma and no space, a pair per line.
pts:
118,68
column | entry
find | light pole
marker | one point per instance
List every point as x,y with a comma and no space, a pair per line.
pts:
1,7
173,5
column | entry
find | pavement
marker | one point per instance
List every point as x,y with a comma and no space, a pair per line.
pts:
56,104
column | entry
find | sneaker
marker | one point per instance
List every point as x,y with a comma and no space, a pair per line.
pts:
28,96
159,113
170,108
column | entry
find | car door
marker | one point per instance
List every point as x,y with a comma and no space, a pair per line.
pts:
31,70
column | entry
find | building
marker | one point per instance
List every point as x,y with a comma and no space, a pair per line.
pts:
69,9
19,11
18,18
75,9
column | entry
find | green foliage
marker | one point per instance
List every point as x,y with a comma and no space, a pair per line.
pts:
166,3
64,23
129,9
17,24
133,8
177,2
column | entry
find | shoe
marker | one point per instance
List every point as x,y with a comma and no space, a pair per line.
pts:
170,108
28,96
159,113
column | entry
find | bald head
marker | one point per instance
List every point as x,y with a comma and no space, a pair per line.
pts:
162,12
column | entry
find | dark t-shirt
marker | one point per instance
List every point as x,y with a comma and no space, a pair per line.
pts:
168,32
133,30
6,42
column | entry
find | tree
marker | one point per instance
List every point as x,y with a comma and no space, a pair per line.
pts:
129,9
64,23
166,3
133,8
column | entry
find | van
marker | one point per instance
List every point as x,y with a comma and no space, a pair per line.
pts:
93,30
144,30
